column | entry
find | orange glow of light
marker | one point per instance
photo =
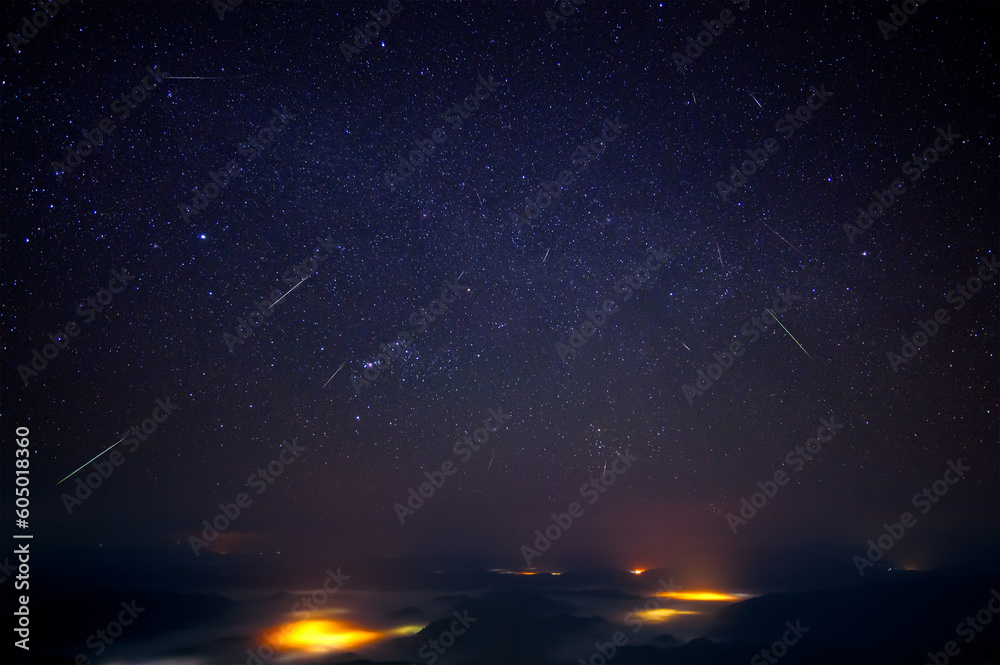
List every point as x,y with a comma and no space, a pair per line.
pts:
661,615
320,636
698,595
639,571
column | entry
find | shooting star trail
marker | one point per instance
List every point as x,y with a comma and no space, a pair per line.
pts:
289,291
493,455
546,254
460,276
685,346
693,97
720,257
755,99
789,334
479,197
786,242
97,455
335,374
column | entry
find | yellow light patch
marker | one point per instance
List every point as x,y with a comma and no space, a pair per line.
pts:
320,636
661,615
698,595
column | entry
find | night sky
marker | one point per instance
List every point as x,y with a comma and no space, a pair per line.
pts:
738,259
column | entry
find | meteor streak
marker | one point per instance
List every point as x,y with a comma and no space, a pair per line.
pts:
546,254
786,242
720,257
789,334
334,374
97,455
754,98
288,291
685,346
492,456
